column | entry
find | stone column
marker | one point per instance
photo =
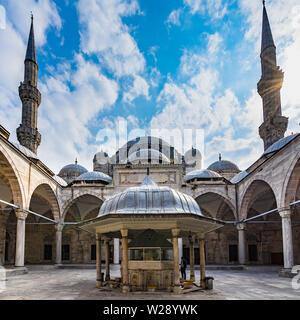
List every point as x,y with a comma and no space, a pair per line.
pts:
242,243
287,238
59,227
98,260
124,233
180,250
192,258
107,275
20,237
116,251
177,287
202,260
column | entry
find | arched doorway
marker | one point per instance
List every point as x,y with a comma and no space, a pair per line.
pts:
40,233
292,194
79,246
264,234
221,245
10,191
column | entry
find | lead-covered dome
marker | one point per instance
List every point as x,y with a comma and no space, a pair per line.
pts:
193,160
71,171
101,157
223,166
94,177
149,198
144,156
201,174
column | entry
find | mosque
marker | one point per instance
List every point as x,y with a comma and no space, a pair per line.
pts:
249,217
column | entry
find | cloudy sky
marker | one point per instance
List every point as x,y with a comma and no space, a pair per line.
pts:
176,64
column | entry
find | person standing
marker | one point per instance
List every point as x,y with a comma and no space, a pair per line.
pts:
183,265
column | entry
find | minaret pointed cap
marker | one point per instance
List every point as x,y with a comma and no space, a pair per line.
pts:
30,52
267,38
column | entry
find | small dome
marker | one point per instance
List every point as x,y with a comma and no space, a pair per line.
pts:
94,176
144,155
201,174
238,177
101,157
280,143
149,198
71,171
193,153
223,166
193,160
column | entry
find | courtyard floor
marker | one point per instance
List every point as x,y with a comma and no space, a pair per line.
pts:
44,283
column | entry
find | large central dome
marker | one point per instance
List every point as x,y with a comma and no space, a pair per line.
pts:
149,198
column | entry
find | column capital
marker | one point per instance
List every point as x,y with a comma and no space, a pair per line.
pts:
21,214
200,236
241,226
124,233
98,236
192,238
175,232
285,212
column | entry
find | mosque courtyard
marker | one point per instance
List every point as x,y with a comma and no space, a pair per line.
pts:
49,283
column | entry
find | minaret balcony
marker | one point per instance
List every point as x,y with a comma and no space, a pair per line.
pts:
27,91
266,86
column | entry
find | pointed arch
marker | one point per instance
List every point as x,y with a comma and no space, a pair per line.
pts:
11,176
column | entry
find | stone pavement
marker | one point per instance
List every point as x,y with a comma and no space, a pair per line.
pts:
44,283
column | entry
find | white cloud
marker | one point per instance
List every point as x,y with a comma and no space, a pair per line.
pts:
214,43
195,5
105,34
72,96
284,19
174,17
13,41
139,88
215,8
152,52
196,100
45,16
65,114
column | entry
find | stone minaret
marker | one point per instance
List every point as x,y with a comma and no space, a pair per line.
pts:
274,125
30,96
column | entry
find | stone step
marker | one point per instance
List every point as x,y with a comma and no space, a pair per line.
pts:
15,271
75,266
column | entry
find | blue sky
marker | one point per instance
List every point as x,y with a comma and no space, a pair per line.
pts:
185,64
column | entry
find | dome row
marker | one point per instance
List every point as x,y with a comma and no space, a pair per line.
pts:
77,174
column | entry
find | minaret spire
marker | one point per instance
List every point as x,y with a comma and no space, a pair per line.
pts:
30,96
267,37
274,125
30,52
